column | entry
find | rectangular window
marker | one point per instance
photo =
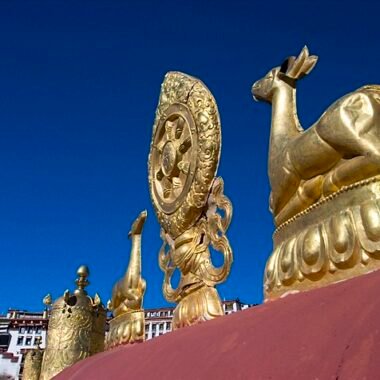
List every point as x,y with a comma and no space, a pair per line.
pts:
20,340
30,330
38,330
36,340
21,330
168,326
229,307
28,341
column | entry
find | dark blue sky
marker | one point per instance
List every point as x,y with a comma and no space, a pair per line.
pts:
79,84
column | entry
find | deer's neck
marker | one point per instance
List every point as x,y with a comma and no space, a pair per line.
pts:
285,123
134,268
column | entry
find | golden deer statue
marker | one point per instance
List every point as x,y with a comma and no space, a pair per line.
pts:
325,183
128,324
341,148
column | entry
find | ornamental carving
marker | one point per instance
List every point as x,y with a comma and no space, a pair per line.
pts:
187,197
128,322
76,328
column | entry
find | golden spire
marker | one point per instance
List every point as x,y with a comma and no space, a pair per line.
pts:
83,272
128,324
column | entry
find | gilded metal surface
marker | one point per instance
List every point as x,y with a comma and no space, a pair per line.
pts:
201,305
128,324
183,161
32,363
184,153
76,328
324,186
126,328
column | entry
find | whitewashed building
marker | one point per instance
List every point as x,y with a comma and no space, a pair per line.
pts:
159,321
19,332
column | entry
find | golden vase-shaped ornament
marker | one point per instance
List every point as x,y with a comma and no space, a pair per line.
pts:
76,328
325,184
186,195
128,324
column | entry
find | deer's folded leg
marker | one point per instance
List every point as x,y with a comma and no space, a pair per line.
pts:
307,194
349,172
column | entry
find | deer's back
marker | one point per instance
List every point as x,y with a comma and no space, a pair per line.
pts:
350,127
352,122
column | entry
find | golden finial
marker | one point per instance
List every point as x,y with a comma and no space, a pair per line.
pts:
97,300
128,324
83,272
47,300
66,295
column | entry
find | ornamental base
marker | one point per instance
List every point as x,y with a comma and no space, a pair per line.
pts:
201,305
126,329
333,240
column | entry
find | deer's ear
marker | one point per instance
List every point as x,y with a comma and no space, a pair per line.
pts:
309,64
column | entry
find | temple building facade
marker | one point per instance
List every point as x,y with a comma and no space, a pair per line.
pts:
159,321
20,331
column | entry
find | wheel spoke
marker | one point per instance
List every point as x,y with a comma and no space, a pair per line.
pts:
177,185
160,145
167,188
170,127
184,147
179,128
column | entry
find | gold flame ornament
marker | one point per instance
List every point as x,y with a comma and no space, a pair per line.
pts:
33,362
76,328
325,183
128,324
186,196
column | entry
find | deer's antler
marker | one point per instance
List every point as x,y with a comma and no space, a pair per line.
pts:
302,65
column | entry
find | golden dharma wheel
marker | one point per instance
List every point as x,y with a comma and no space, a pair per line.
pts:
184,153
